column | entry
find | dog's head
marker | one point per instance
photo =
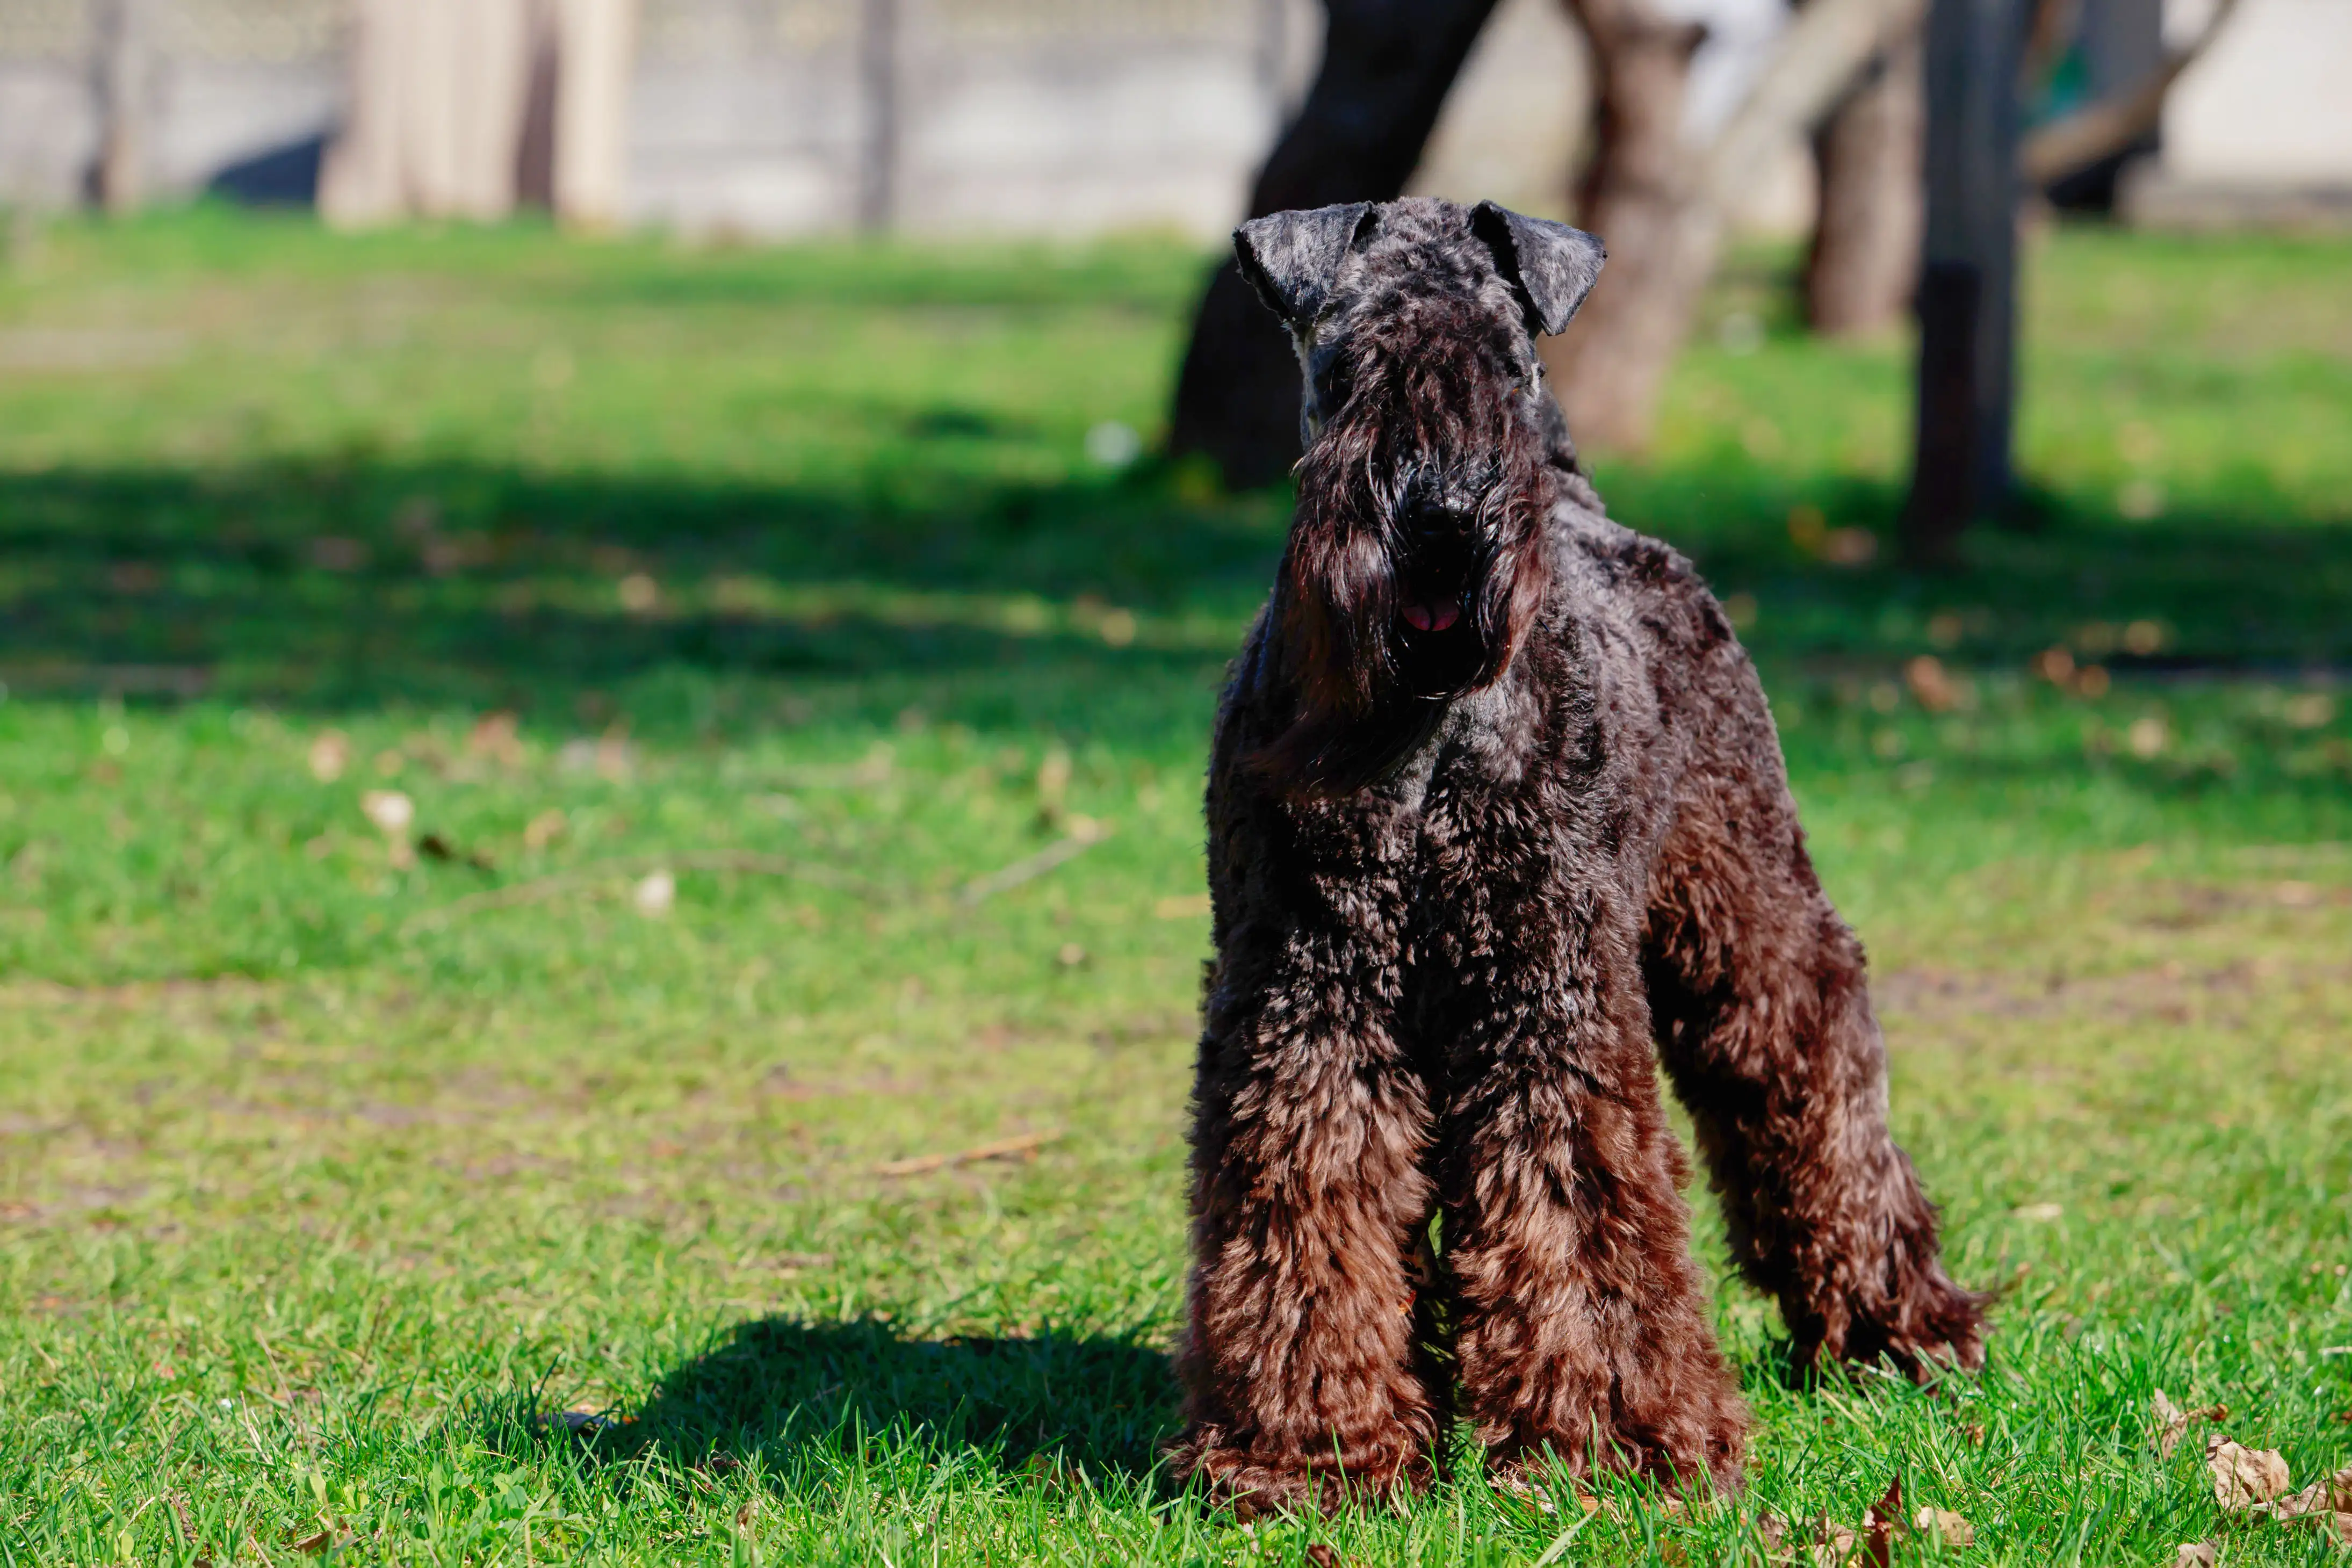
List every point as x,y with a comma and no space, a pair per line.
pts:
1415,560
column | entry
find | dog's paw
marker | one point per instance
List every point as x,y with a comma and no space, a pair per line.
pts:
1929,1327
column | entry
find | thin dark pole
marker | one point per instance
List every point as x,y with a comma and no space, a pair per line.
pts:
878,153
1967,284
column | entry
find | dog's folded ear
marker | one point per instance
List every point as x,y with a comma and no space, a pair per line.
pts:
1293,258
1552,265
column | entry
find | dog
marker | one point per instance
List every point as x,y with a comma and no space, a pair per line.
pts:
1498,818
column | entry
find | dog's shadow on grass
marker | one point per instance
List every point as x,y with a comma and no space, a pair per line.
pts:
786,1390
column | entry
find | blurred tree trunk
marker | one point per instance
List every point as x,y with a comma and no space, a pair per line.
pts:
1660,201
1387,65
440,91
1863,264
595,44
1638,196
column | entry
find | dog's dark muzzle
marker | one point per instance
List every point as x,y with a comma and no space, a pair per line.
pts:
1441,573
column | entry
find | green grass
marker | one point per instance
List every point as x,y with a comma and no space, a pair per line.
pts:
330,1161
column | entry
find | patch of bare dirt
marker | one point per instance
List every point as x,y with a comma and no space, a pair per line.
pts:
2170,992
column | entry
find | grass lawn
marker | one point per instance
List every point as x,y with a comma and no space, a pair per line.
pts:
551,794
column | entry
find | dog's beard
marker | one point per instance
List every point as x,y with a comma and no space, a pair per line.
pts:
1384,620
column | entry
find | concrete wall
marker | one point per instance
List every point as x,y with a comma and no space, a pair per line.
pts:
219,82
48,131
2271,102
1022,116
1077,136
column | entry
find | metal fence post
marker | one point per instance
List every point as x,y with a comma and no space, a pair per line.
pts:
1968,285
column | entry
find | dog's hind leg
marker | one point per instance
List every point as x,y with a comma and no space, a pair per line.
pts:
1763,1013
1583,1324
1303,1381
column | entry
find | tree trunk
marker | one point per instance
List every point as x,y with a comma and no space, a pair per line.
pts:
1863,265
596,43
1387,65
440,92
1639,196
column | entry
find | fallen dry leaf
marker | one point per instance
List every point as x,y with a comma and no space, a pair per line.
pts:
656,895
2243,1476
1833,1545
1942,1524
1932,684
545,829
2311,1500
1871,1546
2335,1526
2196,1554
1882,1525
2333,1495
389,809
330,755
2172,1422
495,736
1848,547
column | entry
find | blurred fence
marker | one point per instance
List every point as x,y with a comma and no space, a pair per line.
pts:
764,116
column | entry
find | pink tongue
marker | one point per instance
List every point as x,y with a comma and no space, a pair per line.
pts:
1427,618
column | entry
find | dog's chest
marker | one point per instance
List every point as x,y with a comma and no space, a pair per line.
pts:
1466,802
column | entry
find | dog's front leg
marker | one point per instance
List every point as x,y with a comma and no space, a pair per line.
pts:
1583,1329
1764,1022
1301,1376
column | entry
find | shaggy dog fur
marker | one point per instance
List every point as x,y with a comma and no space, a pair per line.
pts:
1496,810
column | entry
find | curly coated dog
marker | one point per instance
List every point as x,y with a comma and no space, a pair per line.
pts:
1496,809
